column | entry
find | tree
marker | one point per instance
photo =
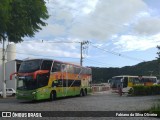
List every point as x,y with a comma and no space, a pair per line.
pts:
158,58
20,18
158,53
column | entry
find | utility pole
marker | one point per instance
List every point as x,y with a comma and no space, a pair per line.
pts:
3,70
82,48
81,59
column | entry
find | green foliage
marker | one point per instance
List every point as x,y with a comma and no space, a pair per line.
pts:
130,92
104,74
155,109
146,90
4,18
20,18
158,53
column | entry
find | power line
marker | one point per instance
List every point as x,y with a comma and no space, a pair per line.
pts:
82,43
42,41
81,47
98,62
117,54
40,55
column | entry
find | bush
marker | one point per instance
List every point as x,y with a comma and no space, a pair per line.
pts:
145,90
155,109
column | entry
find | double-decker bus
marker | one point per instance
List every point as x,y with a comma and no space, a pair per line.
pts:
39,79
127,81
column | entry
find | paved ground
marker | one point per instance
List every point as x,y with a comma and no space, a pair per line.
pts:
103,101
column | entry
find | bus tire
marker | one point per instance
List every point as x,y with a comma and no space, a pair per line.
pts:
81,93
13,94
53,96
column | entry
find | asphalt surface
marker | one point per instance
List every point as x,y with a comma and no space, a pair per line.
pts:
102,101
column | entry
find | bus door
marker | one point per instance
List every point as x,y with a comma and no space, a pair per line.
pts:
57,83
125,84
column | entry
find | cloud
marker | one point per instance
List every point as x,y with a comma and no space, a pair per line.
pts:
52,30
98,20
138,43
107,19
148,26
47,49
86,19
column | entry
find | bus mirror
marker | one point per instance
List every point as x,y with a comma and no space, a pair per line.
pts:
109,81
122,80
12,75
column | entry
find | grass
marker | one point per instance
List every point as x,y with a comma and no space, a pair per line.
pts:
155,109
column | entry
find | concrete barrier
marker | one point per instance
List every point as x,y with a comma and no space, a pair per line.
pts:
100,88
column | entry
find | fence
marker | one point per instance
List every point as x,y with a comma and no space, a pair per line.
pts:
99,88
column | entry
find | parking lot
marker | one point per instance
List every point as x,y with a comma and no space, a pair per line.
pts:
101,101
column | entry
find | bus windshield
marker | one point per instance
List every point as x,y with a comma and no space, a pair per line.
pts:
26,83
115,81
30,66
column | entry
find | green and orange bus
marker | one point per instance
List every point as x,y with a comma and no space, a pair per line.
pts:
39,79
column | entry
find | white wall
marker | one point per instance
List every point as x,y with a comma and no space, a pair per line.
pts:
10,65
10,68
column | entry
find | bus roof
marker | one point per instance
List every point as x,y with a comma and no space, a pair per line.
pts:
135,76
57,61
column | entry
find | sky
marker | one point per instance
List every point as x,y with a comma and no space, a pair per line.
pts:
120,32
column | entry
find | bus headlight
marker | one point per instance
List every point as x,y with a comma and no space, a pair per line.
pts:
33,93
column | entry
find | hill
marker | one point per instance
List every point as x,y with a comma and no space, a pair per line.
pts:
145,68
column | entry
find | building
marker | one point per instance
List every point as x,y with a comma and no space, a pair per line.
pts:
12,65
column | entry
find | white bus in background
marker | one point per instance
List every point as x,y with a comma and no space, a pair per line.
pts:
128,81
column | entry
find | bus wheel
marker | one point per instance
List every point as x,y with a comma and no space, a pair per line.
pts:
81,93
131,91
53,96
13,94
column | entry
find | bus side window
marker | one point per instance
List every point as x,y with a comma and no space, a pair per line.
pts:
46,65
43,79
56,67
63,68
71,69
77,70
55,83
125,82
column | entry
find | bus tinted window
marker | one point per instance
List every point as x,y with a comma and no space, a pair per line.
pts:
30,66
46,65
63,68
56,67
115,82
43,80
84,70
125,81
71,69
77,70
